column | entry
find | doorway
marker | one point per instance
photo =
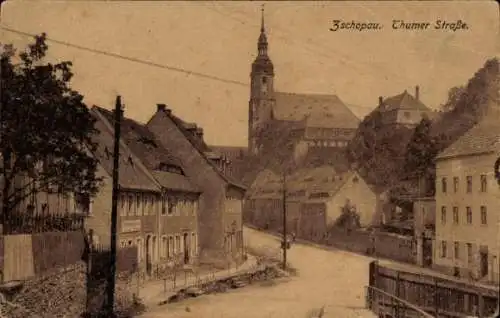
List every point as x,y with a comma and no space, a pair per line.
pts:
483,259
186,248
148,255
427,252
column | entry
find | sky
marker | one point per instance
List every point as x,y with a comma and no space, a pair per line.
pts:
220,39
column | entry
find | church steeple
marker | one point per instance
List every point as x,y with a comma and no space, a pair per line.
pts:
262,44
261,90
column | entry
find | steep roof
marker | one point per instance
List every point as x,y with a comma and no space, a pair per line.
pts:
197,143
132,174
320,110
403,101
230,152
163,165
303,184
483,138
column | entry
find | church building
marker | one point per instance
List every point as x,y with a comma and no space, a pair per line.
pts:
292,120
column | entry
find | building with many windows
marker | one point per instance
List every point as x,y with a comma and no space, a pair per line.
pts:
467,202
157,206
221,200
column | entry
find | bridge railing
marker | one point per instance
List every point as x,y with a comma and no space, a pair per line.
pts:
385,305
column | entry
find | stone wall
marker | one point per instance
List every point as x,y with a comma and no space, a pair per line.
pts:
63,293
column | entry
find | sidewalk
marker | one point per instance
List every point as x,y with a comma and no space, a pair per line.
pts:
153,292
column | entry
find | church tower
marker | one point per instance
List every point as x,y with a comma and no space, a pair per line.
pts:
261,91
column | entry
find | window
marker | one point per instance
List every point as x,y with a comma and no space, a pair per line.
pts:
164,247
130,205
171,206
177,244
123,204
455,214
152,205
469,184
443,249
407,114
455,184
170,246
469,215
138,202
484,215
469,253
443,215
193,244
82,203
444,185
484,183
457,250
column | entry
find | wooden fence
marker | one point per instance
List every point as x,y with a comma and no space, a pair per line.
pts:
24,223
437,296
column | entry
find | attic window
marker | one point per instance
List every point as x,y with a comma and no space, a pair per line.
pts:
355,180
107,152
319,195
130,160
147,141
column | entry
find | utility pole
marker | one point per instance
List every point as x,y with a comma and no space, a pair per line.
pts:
114,208
285,241
4,190
497,177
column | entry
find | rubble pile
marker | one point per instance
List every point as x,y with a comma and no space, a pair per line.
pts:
238,281
63,294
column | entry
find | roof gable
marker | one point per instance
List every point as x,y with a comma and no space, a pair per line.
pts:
132,174
314,108
163,166
198,145
484,137
403,101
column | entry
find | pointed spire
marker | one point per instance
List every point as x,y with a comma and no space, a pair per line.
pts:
262,43
262,25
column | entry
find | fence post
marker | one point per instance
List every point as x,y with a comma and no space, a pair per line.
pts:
436,297
398,286
480,307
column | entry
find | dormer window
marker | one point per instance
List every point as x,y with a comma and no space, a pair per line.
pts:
107,152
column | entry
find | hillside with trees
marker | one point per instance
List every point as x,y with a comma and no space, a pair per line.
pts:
400,158
379,151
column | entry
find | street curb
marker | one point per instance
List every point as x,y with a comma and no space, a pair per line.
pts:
250,263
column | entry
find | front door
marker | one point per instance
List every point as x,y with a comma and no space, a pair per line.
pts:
484,263
186,248
148,254
427,252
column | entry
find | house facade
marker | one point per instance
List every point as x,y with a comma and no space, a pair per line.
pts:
315,200
403,109
221,200
467,203
157,210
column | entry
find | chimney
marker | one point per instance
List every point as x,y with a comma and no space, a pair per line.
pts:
380,100
199,132
161,107
417,92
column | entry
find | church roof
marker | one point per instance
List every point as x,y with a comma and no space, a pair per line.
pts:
326,111
480,139
403,101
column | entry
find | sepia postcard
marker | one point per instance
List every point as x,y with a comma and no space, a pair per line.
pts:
249,159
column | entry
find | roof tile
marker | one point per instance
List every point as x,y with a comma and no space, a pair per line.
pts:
484,137
319,110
